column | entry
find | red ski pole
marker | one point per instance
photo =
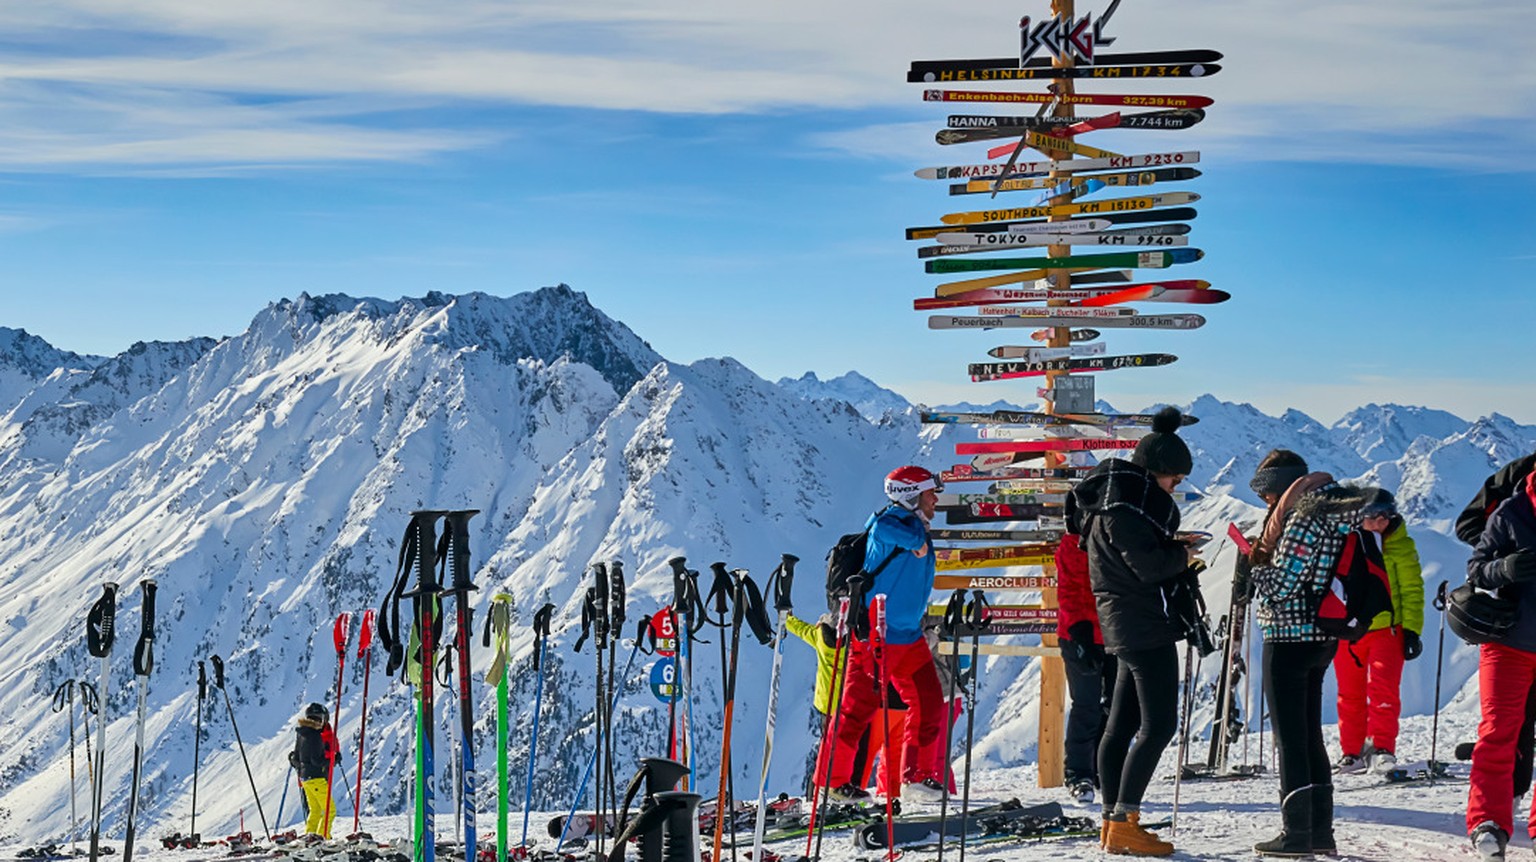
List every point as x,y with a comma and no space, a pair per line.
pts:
364,656
877,640
339,633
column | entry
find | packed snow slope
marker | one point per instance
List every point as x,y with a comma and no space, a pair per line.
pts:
263,481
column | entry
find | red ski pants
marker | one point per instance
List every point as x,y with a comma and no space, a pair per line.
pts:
909,667
888,785
1370,674
1504,679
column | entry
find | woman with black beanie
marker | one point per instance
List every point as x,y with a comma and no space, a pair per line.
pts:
1129,522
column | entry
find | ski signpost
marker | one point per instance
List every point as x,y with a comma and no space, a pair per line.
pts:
1090,237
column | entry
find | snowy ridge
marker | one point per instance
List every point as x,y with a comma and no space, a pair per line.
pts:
264,480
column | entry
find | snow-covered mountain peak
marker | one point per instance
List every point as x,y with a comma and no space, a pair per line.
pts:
868,397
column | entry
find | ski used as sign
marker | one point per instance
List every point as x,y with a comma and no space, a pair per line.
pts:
1016,370
968,128
1146,70
1057,144
1046,536
993,582
972,473
1124,101
993,171
1168,238
1037,311
960,565
1136,259
1013,417
1033,225
1022,496
1140,58
1173,290
1136,321
1065,444
970,285
1011,432
1117,179
1117,205
1159,293
1040,354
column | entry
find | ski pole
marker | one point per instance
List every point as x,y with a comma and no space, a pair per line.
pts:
99,634
541,624
616,620
419,547
877,641
197,743
64,701
218,683
954,620
685,586
720,592
90,704
456,538
783,581
598,595
581,788
830,725
340,633
143,663
282,798
365,658
1184,720
1434,724
976,619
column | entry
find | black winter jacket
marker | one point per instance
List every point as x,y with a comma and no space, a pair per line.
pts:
1129,525
1496,489
1511,527
314,746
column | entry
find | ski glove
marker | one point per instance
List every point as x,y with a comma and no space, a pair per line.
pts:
1412,646
1081,637
1520,566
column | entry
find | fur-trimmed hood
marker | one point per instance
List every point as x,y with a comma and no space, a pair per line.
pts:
1335,499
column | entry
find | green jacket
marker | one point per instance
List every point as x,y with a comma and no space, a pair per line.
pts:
1407,579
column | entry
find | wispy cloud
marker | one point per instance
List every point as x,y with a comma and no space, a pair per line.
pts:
157,83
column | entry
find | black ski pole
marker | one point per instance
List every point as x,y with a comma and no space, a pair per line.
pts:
100,631
616,619
197,748
1434,725
720,590
419,547
954,622
90,704
599,706
218,683
685,583
456,539
143,663
64,701
976,619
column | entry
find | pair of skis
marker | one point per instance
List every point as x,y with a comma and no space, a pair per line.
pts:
421,551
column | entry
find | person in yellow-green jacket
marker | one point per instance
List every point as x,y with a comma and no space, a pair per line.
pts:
1370,671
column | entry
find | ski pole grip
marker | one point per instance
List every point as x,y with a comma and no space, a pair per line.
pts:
616,609
541,620
1440,597
340,630
720,590
100,624
457,526
144,651
218,671
976,612
783,591
599,595
202,682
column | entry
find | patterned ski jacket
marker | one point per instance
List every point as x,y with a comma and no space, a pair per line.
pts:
1290,587
1407,579
1129,524
908,580
1511,527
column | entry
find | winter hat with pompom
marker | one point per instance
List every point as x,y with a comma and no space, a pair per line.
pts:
1163,451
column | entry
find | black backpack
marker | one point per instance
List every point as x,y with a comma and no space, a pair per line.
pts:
846,561
1358,591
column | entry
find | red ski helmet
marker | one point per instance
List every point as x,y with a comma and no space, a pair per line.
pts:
905,485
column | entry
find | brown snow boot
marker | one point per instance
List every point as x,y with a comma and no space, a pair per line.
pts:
1127,838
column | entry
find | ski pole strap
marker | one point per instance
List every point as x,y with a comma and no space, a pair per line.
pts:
99,623
645,637
390,633
976,611
588,612
64,695
749,605
541,621
954,613
89,698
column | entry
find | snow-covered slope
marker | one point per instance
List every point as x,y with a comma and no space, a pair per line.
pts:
263,481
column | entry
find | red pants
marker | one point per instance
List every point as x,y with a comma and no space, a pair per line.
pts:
1370,674
935,766
909,667
1504,679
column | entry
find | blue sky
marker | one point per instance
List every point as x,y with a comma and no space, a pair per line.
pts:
733,178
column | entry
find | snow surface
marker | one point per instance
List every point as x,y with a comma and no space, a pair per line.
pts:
263,480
